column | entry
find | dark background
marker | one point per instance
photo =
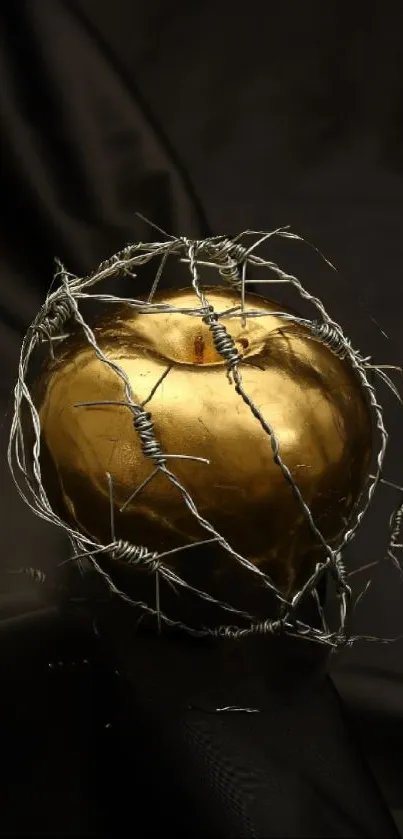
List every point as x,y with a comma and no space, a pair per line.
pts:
206,118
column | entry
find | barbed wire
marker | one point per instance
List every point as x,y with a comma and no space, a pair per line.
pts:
232,259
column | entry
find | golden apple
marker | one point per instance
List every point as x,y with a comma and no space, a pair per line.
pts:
311,398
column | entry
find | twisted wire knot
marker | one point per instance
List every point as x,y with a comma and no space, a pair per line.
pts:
135,555
222,340
53,316
144,426
229,255
269,627
332,337
117,260
340,575
395,523
266,627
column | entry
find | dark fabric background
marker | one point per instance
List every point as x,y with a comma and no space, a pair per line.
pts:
205,118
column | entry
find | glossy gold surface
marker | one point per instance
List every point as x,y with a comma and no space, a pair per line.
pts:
310,397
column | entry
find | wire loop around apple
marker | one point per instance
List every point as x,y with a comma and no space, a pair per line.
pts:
231,259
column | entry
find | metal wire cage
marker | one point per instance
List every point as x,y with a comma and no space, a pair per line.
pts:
232,259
